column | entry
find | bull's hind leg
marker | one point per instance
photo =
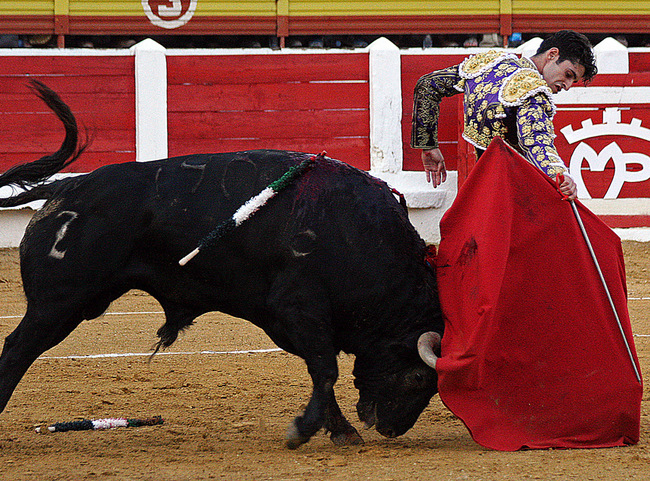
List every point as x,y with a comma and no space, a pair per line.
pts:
32,337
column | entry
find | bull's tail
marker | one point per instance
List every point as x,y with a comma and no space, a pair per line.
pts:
33,174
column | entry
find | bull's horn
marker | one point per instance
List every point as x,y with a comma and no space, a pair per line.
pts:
427,344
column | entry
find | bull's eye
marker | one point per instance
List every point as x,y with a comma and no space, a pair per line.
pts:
415,381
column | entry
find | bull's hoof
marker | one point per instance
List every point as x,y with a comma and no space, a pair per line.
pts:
348,438
294,438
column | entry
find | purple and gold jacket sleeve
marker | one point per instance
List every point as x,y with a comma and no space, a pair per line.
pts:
429,91
536,135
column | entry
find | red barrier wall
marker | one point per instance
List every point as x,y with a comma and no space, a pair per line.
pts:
302,102
299,101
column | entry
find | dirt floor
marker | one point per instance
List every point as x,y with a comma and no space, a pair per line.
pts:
226,414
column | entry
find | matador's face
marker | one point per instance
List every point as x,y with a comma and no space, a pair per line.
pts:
560,75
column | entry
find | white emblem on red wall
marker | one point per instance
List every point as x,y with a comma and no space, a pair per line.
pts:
629,167
169,13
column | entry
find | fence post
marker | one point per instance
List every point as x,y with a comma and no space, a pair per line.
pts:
385,107
150,101
612,57
61,21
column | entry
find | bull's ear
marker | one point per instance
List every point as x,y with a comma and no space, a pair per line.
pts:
405,348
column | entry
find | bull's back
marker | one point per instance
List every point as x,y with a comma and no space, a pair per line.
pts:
337,229
126,226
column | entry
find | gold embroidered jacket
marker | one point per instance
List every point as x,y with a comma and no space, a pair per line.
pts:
505,96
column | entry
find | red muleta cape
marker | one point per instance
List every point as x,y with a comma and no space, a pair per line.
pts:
532,356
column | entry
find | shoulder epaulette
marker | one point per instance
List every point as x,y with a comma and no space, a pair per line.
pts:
522,84
475,65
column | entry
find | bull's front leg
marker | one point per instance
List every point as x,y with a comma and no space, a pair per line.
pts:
342,433
313,418
322,411
303,327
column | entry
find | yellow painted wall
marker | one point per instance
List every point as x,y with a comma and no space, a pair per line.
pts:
581,7
393,7
336,8
209,8
24,7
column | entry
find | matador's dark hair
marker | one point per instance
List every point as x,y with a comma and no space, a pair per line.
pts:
574,47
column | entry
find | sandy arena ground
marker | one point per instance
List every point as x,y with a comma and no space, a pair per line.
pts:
226,414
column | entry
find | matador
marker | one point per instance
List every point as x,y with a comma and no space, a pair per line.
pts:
505,96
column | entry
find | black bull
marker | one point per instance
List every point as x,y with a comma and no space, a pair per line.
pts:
330,264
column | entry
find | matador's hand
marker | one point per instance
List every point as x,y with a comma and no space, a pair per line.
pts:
569,188
434,166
